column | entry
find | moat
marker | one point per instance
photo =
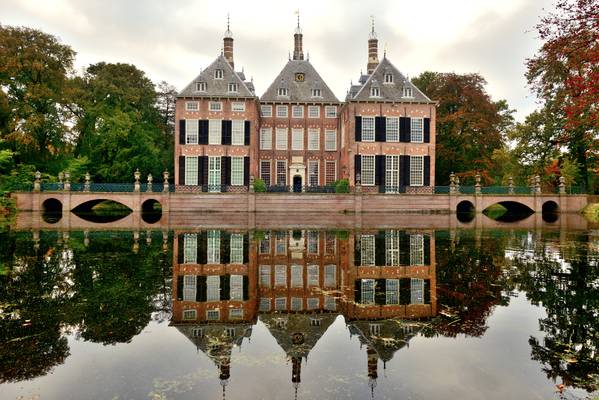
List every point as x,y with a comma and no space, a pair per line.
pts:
274,307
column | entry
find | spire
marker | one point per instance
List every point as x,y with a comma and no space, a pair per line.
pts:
228,44
298,52
373,51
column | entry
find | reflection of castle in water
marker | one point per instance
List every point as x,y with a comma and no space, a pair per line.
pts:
297,282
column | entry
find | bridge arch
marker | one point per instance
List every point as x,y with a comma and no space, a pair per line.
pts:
550,210
151,211
508,211
51,210
465,211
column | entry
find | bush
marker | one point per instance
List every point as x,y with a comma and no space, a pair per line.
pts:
342,186
259,186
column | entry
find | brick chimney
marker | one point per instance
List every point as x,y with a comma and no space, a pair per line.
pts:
298,52
228,45
373,51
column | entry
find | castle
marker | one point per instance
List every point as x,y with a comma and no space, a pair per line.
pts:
298,136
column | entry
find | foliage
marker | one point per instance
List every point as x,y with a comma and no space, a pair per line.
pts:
341,186
259,186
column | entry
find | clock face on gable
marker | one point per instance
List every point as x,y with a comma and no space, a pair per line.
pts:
299,77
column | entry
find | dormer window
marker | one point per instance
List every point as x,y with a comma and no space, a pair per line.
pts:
283,91
218,74
200,86
388,78
233,87
407,92
375,92
316,93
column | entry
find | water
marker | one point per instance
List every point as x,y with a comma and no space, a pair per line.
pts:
297,312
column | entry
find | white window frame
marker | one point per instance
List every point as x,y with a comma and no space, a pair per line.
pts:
280,242
392,251
314,139
280,303
416,291
367,251
213,247
313,172
192,131
214,173
281,135
313,242
330,140
213,288
392,174
213,314
313,275
280,276
417,249
215,127
392,291
190,248
191,170
236,287
313,303
417,130
264,171
408,92
297,304
297,111
367,287
265,138
215,106
264,304
330,112
330,275
201,86
284,172
297,276
233,87
330,303
388,78
238,132
368,129
297,139
375,91
368,169
237,172
327,163
266,110
236,249
416,170
392,131
238,106
283,92
265,271
190,315
282,111
192,106
313,111
190,287
316,92
236,313
218,74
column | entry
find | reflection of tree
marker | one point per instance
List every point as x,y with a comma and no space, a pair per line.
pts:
568,289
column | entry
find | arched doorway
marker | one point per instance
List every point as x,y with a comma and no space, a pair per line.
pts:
297,184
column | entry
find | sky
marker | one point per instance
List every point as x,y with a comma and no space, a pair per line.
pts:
173,40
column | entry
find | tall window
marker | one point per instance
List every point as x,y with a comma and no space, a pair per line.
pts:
265,171
368,129
215,106
281,275
298,111
266,139
416,170
281,303
213,253
313,173
265,276
218,74
330,244
190,248
236,287
330,303
264,304
417,249
330,111
237,171
266,111
238,106
392,248
313,237
407,92
282,91
313,139
296,304
416,291
281,172
214,172
330,140
392,132
417,130
313,275
200,86
236,251
191,131
388,78
233,87
313,303
297,276
236,313
191,170
330,172
192,106
313,111
213,315
375,92
282,111
367,251
265,244
392,174
214,131
368,170
392,289
213,288
330,275
281,139
280,243
316,93
297,139
189,287
367,289
237,132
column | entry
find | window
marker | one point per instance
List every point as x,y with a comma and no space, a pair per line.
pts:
392,291
191,170
200,86
265,244
214,131
190,314
374,329
280,303
368,170
218,74
392,248
280,275
296,304
265,276
407,92
297,111
375,92
216,106
297,276
313,173
330,111
416,291
313,303
214,172
297,139
388,78
416,249
236,287
367,289
266,139
330,276
313,275
282,92
265,171
213,254
233,87
313,111
264,304
280,243
330,140
368,129
313,139
266,111
316,93
213,288
197,332
281,172
237,106
313,242
190,248
367,253
315,321
330,243
417,130
281,139
192,106
392,174
236,251
237,171
330,303
330,172
189,287
191,131
237,132
282,111
236,313
416,170
213,315
392,129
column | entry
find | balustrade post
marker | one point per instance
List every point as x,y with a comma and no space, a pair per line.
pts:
87,184
562,185
452,189
165,188
457,184
532,185
150,180
510,186
67,181
37,186
137,185
251,188
537,184
477,186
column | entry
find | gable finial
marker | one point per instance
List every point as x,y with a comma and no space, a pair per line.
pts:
372,32
385,51
228,33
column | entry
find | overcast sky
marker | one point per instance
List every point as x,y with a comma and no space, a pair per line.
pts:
173,40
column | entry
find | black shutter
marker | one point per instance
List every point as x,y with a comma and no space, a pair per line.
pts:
182,131
404,170
180,249
427,170
246,288
404,291
427,130
225,170
204,176
380,129
225,247
357,166
404,129
404,248
200,170
225,287
202,247
203,131
358,292
427,250
427,291
409,129
181,170
246,248
226,131
357,250
246,171
246,133
201,288
180,287
380,292
379,249
358,129
379,171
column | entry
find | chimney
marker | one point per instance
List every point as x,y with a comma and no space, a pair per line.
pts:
228,45
298,52
373,51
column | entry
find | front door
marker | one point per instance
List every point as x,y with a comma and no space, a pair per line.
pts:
297,184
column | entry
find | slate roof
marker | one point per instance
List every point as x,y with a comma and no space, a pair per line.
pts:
299,91
219,87
388,91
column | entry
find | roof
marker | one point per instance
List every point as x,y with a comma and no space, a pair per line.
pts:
299,91
391,338
388,91
219,87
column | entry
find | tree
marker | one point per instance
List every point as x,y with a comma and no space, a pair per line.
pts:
470,126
